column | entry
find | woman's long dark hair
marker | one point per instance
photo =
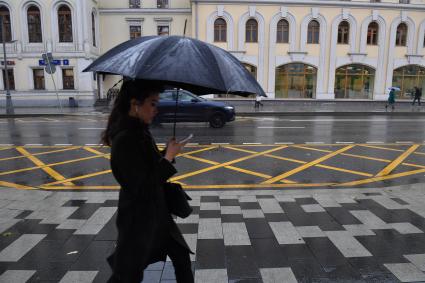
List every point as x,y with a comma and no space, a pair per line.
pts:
137,89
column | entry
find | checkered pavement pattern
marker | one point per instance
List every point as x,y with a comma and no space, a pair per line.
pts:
335,235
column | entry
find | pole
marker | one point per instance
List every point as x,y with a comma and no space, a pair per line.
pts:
9,104
49,65
175,113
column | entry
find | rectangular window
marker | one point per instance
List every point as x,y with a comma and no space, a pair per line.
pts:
38,75
135,32
163,30
134,4
162,4
68,78
11,79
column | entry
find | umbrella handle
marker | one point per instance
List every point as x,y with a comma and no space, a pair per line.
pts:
175,114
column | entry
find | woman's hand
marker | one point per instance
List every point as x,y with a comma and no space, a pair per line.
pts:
173,148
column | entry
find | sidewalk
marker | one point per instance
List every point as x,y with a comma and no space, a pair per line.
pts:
270,107
330,235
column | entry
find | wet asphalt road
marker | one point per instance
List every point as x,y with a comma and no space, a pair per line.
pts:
81,130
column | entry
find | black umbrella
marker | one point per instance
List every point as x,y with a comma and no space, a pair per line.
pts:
183,62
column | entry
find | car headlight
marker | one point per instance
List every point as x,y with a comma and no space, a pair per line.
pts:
229,107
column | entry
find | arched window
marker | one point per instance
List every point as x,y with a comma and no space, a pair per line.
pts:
372,33
65,24
34,24
354,82
93,28
343,32
251,31
282,33
220,30
295,80
400,39
313,32
406,78
5,14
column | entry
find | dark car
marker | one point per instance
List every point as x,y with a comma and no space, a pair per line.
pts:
192,108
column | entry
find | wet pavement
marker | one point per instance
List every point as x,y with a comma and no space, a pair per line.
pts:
338,235
276,199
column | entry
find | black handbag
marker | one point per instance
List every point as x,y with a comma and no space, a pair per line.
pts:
177,200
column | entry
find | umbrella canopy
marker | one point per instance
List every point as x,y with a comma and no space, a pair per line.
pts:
183,62
394,88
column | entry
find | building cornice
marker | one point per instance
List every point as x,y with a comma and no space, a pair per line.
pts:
323,3
124,11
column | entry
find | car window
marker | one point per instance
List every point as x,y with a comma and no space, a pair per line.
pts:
167,96
186,97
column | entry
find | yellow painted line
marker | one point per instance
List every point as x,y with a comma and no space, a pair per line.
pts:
254,186
413,165
89,149
286,181
285,159
345,170
197,151
312,148
41,153
381,178
55,175
366,157
189,187
52,164
201,159
5,148
258,174
307,165
15,186
390,167
78,178
380,147
240,149
225,164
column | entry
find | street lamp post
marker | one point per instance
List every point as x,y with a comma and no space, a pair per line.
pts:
9,104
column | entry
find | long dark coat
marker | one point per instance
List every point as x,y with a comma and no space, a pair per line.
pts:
143,221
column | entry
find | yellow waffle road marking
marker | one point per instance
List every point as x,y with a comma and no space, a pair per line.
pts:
41,153
15,186
381,147
55,175
226,164
78,178
8,147
52,164
366,157
197,151
307,165
381,178
390,167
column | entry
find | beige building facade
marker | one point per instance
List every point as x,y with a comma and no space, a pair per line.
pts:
304,49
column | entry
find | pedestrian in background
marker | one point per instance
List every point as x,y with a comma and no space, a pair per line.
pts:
147,232
391,99
417,95
258,101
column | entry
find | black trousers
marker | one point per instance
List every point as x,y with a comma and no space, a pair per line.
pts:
418,98
181,262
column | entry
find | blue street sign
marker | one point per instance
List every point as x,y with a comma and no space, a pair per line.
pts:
54,62
65,62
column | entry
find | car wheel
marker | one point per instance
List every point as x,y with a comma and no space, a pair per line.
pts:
217,120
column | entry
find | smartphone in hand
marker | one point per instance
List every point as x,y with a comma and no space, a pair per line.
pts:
188,138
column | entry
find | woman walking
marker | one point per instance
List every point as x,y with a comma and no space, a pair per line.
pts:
146,231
